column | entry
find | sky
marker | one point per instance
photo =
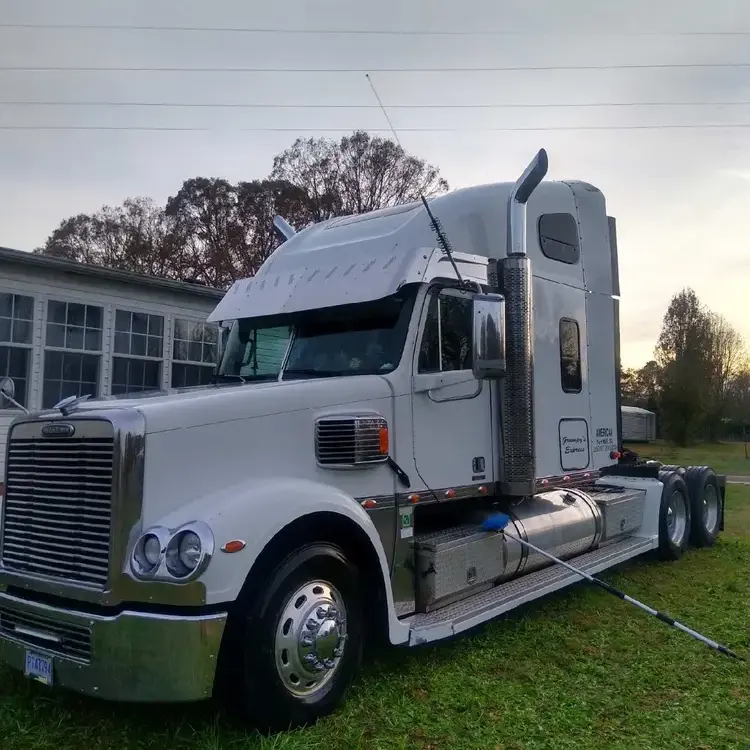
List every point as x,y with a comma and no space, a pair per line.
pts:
681,196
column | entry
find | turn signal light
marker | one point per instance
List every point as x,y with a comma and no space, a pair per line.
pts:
236,545
615,455
383,441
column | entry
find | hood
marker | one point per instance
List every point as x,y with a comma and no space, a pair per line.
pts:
183,408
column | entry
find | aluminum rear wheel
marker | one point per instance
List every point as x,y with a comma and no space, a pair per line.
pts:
677,517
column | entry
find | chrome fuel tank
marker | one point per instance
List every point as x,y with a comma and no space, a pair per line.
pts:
564,523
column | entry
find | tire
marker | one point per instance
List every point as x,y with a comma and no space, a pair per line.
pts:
274,687
705,505
674,516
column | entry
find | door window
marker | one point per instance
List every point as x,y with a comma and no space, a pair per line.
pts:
447,337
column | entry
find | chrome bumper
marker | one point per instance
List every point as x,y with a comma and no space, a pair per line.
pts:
131,656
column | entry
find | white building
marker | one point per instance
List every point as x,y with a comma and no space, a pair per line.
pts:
638,425
68,328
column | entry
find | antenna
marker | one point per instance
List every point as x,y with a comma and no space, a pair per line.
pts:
443,242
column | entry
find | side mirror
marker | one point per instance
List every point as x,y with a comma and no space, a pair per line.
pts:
489,336
7,392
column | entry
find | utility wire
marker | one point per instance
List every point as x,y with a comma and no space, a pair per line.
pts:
146,128
361,32
276,105
467,69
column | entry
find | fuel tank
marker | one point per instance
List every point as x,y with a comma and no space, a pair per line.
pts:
564,523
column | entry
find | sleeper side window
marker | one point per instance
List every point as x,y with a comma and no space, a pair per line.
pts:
570,356
558,238
447,337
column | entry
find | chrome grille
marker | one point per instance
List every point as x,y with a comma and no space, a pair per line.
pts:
58,503
61,638
350,441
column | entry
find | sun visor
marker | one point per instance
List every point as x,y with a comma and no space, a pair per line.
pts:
294,287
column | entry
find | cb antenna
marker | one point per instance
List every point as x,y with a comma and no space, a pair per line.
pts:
443,242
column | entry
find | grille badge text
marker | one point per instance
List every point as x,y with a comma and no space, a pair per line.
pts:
58,430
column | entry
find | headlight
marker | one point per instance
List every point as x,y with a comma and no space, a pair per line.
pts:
168,554
184,553
148,551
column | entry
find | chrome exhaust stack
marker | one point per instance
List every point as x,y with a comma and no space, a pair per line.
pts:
517,419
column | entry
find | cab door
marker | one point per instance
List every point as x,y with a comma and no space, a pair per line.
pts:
451,409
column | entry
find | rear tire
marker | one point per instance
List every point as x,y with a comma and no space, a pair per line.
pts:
299,641
674,516
705,505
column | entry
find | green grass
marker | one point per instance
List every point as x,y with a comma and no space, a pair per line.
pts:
577,670
724,458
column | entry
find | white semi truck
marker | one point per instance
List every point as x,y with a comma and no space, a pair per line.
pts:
387,382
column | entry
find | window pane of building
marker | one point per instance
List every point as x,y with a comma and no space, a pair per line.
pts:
194,353
132,375
72,325
72,328
69,374
139,335
16,331
16,316
14,363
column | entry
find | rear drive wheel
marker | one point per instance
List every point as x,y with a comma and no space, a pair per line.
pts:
300,640
705,505
674,517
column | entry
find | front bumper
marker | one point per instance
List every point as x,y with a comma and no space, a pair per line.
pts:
130,656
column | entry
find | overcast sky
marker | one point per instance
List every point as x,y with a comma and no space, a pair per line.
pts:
681,196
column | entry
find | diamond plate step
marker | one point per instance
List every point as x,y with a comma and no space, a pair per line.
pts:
483,606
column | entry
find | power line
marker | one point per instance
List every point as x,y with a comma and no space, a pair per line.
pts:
467,69
276,105
360,32
146,128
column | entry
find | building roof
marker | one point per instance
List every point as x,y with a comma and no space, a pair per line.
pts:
33,260
635,410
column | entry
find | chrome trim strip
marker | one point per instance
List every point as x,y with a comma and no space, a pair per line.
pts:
565,481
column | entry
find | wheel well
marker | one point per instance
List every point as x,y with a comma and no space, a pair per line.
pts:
341,532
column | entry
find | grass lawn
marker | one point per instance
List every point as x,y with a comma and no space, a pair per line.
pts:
577,670
724,458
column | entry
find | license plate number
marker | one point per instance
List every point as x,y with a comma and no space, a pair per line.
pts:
38,667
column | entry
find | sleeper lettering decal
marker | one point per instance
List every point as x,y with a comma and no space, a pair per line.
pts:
574,444
604,440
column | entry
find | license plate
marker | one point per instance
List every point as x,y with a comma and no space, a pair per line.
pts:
38,667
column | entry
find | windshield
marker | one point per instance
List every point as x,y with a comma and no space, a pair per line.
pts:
366,338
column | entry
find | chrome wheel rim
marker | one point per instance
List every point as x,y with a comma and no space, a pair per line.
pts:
676,518
710,508
310,638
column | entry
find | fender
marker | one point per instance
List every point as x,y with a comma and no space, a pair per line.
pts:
255,512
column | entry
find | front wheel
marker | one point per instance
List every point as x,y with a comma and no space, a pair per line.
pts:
300,640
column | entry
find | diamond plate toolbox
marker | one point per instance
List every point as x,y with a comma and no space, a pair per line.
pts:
452,562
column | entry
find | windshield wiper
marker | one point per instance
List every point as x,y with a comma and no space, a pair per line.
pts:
219,376
314,373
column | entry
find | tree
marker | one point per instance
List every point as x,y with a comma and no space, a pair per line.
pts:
683,354
132,237
216,232
357,174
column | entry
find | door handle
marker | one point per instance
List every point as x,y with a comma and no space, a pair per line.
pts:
432,381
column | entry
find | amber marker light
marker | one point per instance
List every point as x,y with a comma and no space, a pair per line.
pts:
383,441
234,546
